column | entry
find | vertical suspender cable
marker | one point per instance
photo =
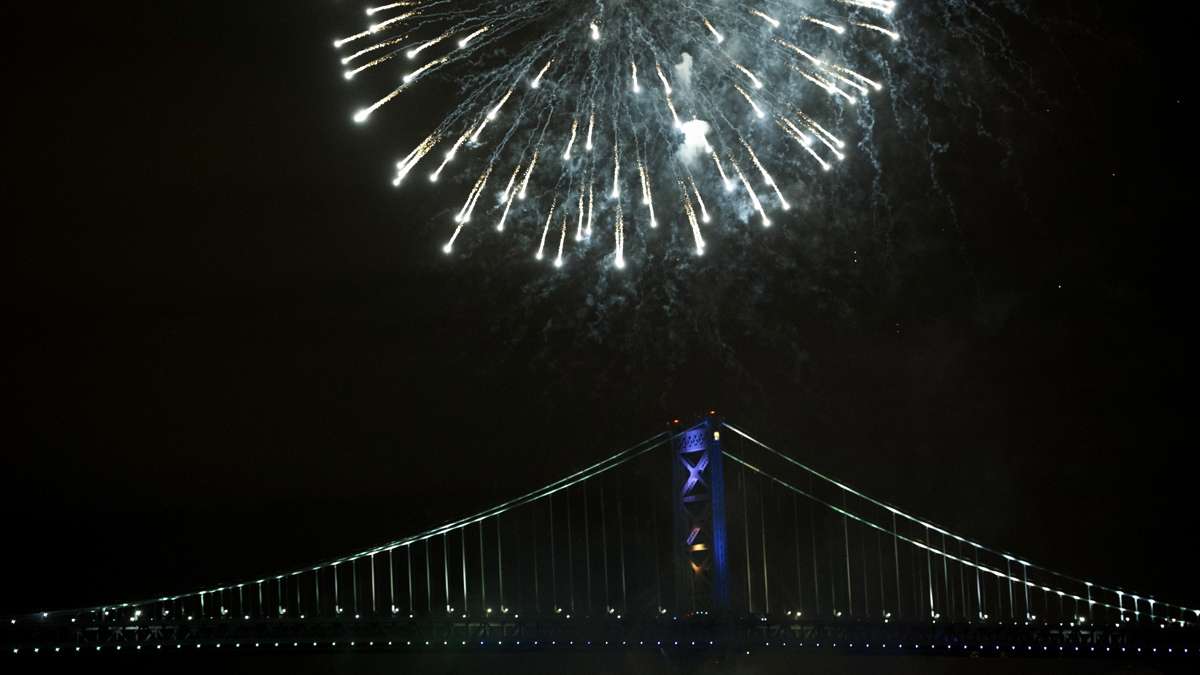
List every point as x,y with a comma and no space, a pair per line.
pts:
553,567
1012,608
978,590
812,531
657,568
948,601
746,539
866,585
796,537
408,569
537,598
918,585
1028,613
482,573
446,568
374,607
428,581
587,550
391,582
1000,597
500,561
462,537
516,557
962,584
570,555
896,556
604,546
762,508
883,610
846,539
929,572
621,545
833,575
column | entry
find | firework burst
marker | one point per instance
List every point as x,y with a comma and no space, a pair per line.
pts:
578,123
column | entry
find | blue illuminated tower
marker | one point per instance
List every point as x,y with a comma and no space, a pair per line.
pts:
698,493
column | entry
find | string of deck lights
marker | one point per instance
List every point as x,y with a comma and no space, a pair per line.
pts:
917,647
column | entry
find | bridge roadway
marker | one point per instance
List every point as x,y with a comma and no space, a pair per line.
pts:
698,634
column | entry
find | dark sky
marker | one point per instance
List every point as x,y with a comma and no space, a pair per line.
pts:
230,347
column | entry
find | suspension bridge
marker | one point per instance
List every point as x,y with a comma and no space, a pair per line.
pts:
703,538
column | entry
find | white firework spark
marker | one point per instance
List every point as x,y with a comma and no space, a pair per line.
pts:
759,83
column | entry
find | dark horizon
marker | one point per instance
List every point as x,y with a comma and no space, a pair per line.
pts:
232,348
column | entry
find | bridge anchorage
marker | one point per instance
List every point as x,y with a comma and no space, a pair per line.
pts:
703,538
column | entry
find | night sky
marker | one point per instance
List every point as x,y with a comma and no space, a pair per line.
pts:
231,347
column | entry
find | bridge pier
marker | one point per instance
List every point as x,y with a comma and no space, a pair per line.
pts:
701,568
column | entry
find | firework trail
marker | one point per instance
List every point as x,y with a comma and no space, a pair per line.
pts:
701,102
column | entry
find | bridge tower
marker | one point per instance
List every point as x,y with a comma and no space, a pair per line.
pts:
698,497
